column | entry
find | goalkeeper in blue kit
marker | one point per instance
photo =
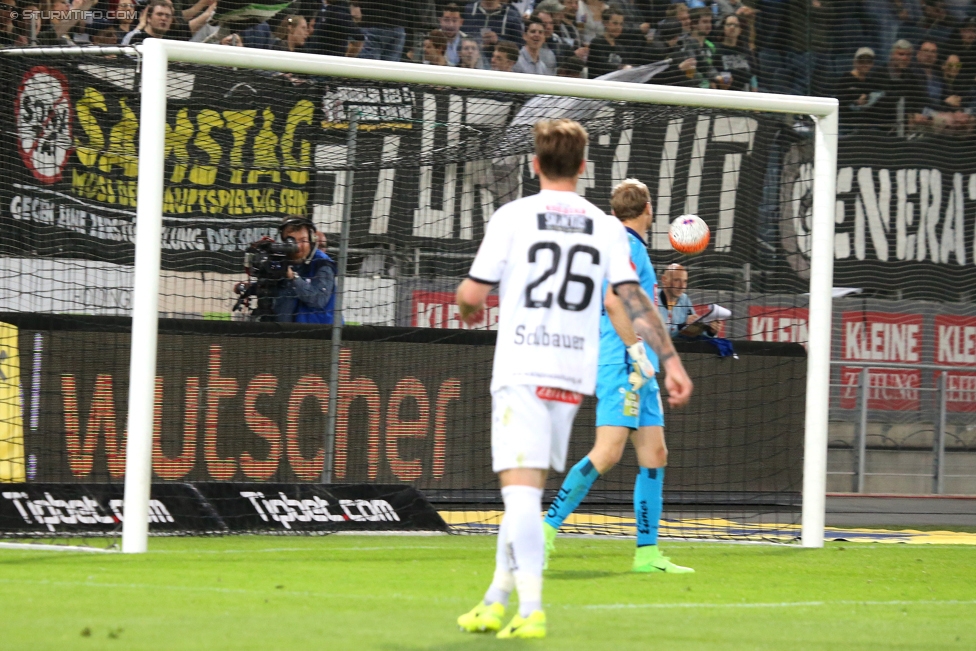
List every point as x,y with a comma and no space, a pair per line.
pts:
628,403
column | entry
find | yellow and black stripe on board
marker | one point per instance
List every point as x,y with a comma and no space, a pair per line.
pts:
11,418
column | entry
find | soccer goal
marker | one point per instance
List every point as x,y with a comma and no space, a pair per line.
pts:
139,176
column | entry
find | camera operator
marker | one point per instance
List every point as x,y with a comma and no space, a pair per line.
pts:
307,292
293,280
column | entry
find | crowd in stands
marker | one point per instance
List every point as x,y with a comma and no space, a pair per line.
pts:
893,64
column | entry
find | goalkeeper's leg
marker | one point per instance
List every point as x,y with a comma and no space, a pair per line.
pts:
652,457
606,452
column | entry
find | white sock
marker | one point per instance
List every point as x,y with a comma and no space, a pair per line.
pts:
503,583
523,509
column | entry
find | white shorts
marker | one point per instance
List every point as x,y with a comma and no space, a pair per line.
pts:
530,427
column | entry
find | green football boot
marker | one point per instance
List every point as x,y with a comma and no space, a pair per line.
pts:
531,627
482,618
649,559
549,532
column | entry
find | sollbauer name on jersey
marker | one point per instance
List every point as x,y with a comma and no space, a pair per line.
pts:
539,337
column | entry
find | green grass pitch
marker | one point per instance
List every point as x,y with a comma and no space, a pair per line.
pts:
385,593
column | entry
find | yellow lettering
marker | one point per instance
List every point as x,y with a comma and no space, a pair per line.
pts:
207,120
177,139
122,145
88,152
265,146
239,123
297,169
168,201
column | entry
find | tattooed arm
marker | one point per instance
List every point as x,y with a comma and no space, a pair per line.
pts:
648,325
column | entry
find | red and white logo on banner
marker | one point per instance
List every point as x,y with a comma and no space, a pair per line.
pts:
882,337
955,345
781,324
439,310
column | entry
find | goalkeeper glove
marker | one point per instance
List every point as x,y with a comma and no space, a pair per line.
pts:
643,369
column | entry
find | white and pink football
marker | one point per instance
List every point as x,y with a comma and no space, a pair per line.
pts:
689,234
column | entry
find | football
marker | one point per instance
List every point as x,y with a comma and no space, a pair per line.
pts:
689,234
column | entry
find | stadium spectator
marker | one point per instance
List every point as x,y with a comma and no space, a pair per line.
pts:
307,294
963,44
856,90
435,49
565,29
606,52
534,57
335,32
697,45
58,30
683,70
8,26
495,21
159,19
679,11
927,59
504,57
450,24
899,81
291,33
571,66
673,302
935,25
955,89
259,36
383,27
734,59
470,55
111,31
590,15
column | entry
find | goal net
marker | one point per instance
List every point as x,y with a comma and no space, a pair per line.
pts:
250,422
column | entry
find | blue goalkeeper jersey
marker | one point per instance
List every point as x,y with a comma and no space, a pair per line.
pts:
612,349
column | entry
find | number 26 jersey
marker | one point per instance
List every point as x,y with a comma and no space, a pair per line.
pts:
550,254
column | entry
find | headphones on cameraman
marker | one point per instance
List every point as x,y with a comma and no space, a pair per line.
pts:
301,222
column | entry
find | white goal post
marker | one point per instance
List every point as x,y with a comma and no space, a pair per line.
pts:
156,55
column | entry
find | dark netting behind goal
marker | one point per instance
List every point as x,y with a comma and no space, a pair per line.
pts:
243,402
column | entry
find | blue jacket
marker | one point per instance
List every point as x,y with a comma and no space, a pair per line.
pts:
309,298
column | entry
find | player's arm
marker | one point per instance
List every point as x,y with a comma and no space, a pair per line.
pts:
471,296
619,319
648,325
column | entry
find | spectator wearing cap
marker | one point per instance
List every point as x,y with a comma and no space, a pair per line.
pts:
504,57
450,23
607,53
733,59
683,69
494,21
927,64
856,91
899,81
534,57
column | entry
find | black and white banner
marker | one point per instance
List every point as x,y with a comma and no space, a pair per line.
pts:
244,149
71,509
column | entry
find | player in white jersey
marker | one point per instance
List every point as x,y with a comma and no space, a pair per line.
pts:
550,255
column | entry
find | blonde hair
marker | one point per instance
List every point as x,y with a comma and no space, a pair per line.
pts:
629,198
559,147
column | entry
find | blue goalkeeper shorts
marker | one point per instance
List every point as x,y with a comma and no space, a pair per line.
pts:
617,405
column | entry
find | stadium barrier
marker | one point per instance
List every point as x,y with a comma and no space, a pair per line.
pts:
412,407
59,510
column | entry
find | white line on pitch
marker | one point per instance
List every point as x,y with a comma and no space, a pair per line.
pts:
55,548
782,604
